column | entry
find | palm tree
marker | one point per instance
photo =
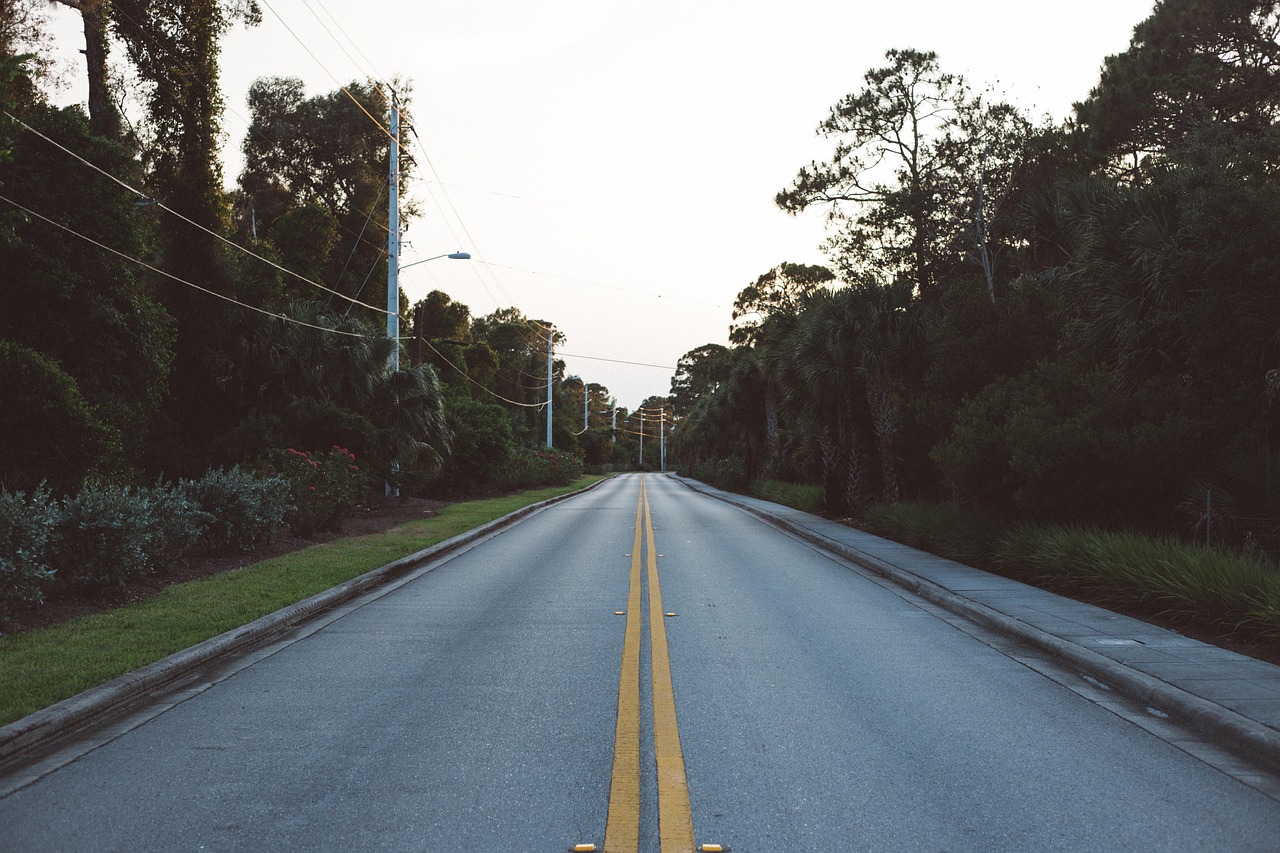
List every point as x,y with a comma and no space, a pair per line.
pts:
845,365
885,331
822,380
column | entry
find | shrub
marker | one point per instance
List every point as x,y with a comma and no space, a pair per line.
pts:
105,536
177,521
530,468
705,471
1059,444
245,509
25,526
51,433
480,449
731,474
323,488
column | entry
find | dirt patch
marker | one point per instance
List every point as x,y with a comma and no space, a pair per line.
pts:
60,605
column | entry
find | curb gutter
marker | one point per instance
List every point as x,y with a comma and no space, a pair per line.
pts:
40,728
1249,738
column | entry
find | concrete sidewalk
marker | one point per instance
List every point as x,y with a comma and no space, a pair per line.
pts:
1228,698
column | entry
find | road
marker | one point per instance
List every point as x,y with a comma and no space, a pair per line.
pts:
532,693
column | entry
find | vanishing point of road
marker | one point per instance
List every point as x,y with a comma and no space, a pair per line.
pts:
640,667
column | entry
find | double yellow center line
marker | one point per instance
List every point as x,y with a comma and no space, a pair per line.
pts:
675,817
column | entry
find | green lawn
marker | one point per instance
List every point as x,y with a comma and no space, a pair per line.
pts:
41,667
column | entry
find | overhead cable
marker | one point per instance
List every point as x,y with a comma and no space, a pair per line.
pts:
617,361
326,70
141,195
182,281
467,376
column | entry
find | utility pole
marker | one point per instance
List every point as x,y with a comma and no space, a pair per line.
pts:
393,238
642,439
662,440
549,346
586,396
393,262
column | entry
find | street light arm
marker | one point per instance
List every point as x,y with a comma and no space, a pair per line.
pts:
457,256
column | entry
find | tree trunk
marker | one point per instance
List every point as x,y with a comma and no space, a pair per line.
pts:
831,485
884,417
103,118
855,485
980,231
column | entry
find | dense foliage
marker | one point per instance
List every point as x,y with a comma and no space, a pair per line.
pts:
1069,323
230,346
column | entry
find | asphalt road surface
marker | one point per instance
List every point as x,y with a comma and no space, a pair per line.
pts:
638,668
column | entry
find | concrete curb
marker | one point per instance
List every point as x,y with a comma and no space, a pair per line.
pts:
55,721
1254,740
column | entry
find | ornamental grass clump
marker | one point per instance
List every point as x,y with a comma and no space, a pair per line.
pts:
940,528
1175,579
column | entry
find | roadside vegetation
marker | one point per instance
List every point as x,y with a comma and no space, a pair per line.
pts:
1172,580
186,365
1216,595
46,665
1048,349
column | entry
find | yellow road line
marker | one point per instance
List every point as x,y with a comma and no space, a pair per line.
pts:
675,816
622,829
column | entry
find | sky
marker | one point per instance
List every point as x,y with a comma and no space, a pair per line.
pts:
611,167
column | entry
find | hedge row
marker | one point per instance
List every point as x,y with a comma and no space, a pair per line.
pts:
109,534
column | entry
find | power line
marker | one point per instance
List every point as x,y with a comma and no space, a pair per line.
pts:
325,26
177,60
478,385
326,70
377,75
617,361
141,195
182,281
472,242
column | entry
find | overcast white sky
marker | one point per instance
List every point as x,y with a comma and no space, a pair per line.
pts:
612,166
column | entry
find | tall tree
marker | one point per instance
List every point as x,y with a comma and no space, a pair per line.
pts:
699,372
765,314
920,174
1191,64
327,151
79,305
881,180
174,47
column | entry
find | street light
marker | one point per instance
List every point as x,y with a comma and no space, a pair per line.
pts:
393,303
457,256
393,327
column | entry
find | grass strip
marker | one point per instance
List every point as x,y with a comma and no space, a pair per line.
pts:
47,665
1231,594
804,498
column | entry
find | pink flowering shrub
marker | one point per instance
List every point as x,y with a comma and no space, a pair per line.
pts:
325,488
